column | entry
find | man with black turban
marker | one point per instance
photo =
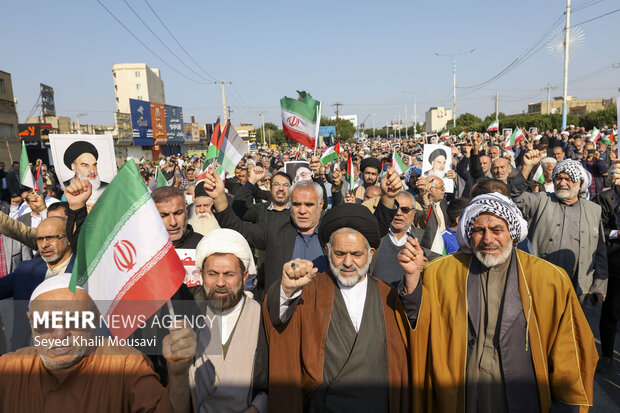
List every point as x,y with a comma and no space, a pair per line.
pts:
81,157
334,340
370,169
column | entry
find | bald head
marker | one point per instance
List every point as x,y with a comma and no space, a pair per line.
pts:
371,192
500,169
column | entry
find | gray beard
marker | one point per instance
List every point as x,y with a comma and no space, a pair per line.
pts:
490,261
349,281
566,194
202,223
95,182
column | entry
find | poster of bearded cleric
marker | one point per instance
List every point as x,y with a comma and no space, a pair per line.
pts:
437,161
86,157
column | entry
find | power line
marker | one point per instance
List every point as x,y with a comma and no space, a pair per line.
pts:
179,43
148,48
164,44
596,18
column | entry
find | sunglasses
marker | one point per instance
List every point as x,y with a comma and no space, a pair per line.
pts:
405,210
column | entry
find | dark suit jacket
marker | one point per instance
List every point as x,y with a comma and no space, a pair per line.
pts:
606,200
277,239
19,285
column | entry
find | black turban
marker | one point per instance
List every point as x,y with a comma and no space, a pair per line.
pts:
76,149
437,153
354,216
370,163
200,190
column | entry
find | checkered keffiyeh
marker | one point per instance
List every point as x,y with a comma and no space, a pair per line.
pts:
500,206
577,173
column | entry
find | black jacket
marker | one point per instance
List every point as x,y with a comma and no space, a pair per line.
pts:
608,216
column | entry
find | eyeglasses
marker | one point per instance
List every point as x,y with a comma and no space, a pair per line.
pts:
442,188
51,238
405,210
279,184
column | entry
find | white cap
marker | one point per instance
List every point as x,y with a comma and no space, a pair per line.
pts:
56,282
537,137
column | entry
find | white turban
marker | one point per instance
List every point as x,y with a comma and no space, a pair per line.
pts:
225,241
56,282
498,205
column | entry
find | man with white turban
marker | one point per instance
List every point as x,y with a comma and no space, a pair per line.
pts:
565,228
227,369
492,328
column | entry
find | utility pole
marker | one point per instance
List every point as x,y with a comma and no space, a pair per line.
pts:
223,85
415,118
406,124
262,116
453,56
549,88
337,104
79,127
230,111
566,50
496,104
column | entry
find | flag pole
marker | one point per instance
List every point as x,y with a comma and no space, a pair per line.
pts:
318,124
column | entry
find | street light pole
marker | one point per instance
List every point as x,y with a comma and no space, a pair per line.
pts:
566,50
453,56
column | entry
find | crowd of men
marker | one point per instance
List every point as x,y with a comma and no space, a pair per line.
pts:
343,286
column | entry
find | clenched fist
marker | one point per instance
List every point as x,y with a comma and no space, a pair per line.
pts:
296,274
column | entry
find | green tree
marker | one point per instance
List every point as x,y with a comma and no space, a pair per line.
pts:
344,128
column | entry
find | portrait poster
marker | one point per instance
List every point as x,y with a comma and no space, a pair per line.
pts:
193,276
89,157
436,161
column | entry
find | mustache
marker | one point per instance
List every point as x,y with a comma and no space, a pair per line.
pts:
491,245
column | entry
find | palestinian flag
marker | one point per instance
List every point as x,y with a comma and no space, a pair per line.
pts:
161,179
38,179
609,139
231,151
216,144
25,173
350,172
493,127
143,160
595,135
539,176
444,135
417,150
300,119
463,134
331,154
124,254
514,139
399,165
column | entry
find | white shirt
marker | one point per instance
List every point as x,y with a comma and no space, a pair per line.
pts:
60,269
354,298
398,242
229,319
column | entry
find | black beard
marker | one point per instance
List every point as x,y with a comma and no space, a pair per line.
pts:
224,303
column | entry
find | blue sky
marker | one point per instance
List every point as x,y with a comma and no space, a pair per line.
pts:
372,56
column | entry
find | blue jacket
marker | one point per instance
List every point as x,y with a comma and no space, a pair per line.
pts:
19,285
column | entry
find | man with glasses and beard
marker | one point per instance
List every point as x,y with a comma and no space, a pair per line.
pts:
221,377
565,228
333,337
492,328
81,157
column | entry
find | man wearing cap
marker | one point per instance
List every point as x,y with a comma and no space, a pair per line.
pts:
370,168
81,157
200,214
63,370
222,376
492,328
333,337
565,228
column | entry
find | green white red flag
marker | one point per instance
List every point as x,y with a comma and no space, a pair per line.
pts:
331,154
539,176
26,177
595,135
301,118
514,139
444,135
350,172
216,142
463,134
609,139
231,151
493,127
398,164
124,253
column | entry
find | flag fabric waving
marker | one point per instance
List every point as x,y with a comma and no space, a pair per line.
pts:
609,139
397,162
216,144
231,151
595,136
161,179
514,139
26,177
331,154
350,172
444,135
463,134
124,253
300,119
539,176
493,127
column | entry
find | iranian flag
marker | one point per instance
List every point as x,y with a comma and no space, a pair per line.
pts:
232,150
301,118
331,154
124,257
609,139
539,176
595,136
25,173
444,135
216,144
350,172
463,134
493,127
514,139
399,165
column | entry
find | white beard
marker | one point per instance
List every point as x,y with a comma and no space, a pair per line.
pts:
95,182
202,223
490,261
350,281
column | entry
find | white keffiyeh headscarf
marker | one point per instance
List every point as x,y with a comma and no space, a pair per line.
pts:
498,205
577,173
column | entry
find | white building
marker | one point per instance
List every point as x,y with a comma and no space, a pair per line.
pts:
350,118
436,119
136,81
